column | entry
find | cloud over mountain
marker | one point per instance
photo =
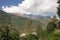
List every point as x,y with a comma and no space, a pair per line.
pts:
39,7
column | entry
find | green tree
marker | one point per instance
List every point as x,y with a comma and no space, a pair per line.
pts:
41,34
38,30
28,26
52,25
58,12
6,34
59,24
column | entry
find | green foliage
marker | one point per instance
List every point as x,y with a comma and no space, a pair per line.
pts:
58,12
52,25
23,38
38,30
59,24
15,35
6,34
28,26
14,20
42,35
31,37
54,36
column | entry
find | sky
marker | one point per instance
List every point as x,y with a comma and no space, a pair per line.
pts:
9,3
36,7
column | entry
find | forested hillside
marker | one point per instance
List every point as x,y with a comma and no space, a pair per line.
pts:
15,21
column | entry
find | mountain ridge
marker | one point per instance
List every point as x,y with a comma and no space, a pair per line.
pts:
42,19
19,20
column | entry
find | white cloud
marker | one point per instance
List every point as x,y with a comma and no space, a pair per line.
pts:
41,7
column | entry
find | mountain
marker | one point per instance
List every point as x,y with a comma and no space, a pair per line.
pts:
18,21
41,19
4,17
15,22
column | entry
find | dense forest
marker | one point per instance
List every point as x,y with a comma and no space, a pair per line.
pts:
13,27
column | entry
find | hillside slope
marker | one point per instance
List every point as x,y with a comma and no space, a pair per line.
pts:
15,22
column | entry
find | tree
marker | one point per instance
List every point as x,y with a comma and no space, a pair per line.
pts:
28,26
58,12
38,30
55,20
59,24
41,34
52,25
6,34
